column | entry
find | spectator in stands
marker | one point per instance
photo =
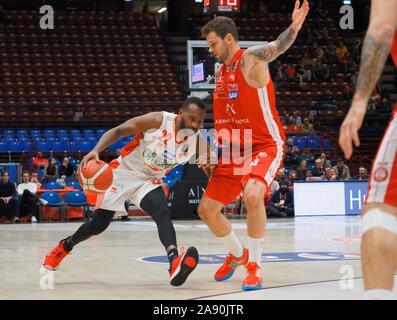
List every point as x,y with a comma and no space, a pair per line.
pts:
9,204
293,176
36,179
301,170
39,160
326,163
29,200
281,175
374,99
342,171
341,51
362,174
319,170
290,72
330,174
292,159
330,55
347,92
320,11
282,202
325,101
289,145
307,126
278,71
66,169
51,171
309,175
307,155
303,74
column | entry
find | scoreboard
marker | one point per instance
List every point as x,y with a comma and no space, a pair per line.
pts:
221,6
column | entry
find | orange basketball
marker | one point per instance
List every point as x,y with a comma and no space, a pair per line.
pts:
96,176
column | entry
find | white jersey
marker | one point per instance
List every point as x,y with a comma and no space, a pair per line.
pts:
156,152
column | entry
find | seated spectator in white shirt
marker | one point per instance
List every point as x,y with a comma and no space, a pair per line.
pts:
29,200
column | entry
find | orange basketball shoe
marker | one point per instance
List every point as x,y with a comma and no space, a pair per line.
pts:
230,265
253,280
183,266
55,257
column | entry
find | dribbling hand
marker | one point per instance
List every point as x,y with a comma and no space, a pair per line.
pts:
92,155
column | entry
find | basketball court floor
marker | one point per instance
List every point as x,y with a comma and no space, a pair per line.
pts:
303,258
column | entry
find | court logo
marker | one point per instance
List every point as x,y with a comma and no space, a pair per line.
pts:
268,257
346,22
47,21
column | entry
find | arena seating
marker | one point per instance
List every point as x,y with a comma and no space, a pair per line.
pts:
94,63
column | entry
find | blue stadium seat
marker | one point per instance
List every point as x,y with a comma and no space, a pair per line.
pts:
74,184
77,199
74,146
9,132
88,132
49,132
58,146
74,132
64,139
53,186
54,200
22,132
35,132
86,146
62,132
3,147
15,147
77,138
26,146
43,146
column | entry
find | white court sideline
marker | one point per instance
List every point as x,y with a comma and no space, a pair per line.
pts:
304,258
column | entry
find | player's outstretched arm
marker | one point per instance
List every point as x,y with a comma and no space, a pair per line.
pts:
135,125
272,50
255,60
376,48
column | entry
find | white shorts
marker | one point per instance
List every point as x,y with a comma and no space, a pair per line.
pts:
127,185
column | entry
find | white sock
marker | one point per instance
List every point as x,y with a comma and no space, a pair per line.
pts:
378,294
233,245
255,249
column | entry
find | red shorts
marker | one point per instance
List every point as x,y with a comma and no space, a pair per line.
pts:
226,183
383,182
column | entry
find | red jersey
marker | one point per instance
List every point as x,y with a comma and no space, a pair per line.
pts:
237,105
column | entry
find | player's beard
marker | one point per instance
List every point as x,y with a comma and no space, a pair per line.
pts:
183,127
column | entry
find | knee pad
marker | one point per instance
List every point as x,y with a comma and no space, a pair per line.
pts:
377,218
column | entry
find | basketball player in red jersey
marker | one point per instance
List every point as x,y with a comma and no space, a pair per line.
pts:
379,215
244,99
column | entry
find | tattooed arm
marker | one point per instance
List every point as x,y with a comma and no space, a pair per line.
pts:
376,48
255,61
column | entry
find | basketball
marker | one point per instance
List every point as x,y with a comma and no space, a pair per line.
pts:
96,176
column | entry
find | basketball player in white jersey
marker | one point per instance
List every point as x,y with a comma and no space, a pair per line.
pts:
162,140
379,215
